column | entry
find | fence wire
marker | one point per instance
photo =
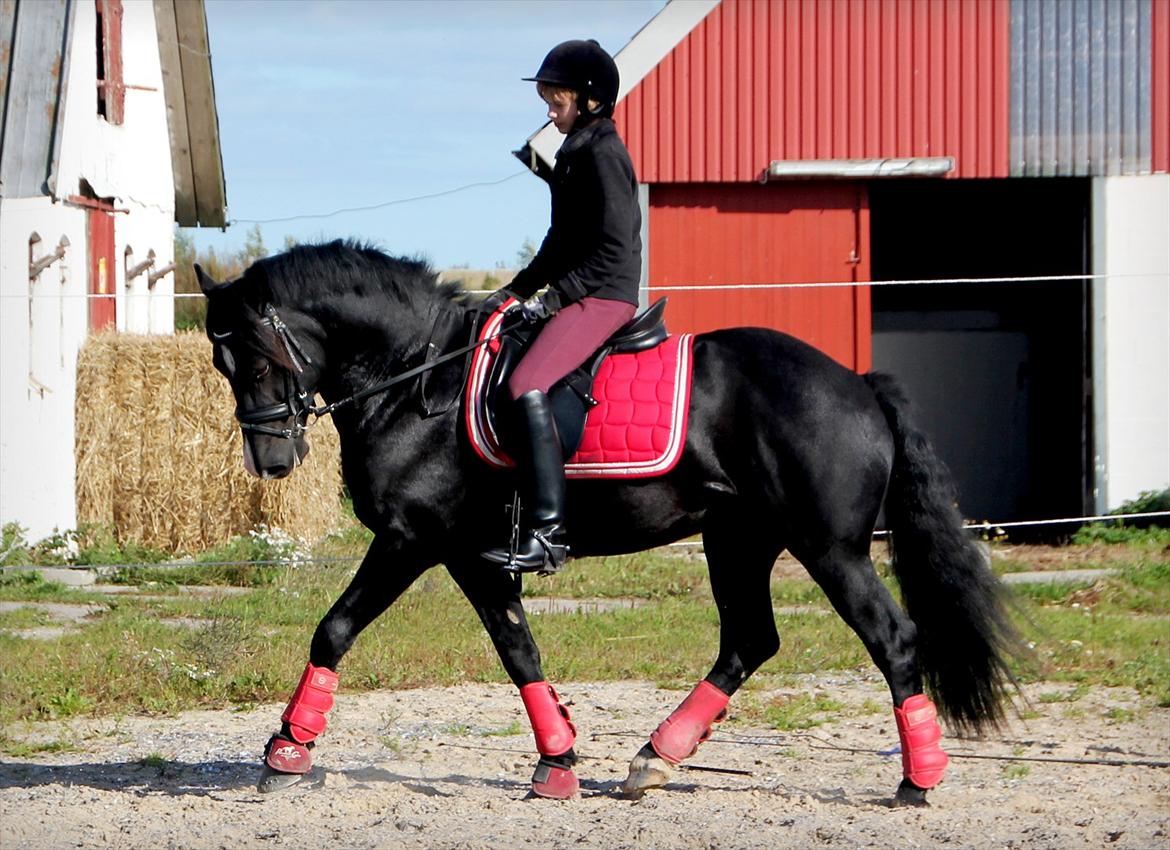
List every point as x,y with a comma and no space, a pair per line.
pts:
689,544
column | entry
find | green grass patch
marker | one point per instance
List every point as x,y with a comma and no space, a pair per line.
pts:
249,648
802,711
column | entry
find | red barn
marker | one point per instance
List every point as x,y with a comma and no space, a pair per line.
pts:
842,141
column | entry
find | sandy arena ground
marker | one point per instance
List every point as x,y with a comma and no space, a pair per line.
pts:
428,768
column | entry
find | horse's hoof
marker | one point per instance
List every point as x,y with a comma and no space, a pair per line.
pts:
274,780
909,794
554,781
648,770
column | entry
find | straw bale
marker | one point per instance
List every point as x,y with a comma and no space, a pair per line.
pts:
160,456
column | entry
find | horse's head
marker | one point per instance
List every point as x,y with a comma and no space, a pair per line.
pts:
273,369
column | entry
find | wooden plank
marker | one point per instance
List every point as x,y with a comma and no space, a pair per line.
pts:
172,74
32,96
202,122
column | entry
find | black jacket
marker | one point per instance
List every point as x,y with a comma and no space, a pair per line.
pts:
594,244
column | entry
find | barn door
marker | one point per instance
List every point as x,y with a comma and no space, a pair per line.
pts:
746,235
102,304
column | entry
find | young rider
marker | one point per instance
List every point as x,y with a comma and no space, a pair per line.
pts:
591,262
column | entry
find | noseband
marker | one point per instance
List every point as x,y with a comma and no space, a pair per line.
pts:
298,400
297,404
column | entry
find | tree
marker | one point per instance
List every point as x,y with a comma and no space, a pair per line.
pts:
526,253
254,248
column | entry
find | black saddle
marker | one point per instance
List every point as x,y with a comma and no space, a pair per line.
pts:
572,396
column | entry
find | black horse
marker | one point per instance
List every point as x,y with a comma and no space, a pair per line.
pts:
785,449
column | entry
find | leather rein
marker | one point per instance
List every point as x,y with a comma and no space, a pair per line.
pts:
298,401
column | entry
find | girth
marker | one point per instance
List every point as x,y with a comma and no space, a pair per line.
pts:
571,397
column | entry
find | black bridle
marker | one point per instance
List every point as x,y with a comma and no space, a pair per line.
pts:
297,404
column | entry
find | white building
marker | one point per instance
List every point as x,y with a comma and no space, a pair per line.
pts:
108,138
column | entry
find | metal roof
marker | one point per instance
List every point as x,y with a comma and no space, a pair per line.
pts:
33,54
35,38
1009,89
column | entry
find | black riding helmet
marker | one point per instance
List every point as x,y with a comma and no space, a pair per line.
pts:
587,69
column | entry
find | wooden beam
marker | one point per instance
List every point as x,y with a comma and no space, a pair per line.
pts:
172,74
202,121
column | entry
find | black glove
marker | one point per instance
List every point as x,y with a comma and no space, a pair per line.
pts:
539,307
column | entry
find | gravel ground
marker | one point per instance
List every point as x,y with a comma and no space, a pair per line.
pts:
442,767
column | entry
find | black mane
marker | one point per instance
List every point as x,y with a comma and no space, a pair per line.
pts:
349,267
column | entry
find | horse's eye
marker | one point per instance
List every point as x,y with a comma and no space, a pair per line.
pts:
260,371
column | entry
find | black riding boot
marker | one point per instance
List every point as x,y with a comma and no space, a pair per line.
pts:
541,547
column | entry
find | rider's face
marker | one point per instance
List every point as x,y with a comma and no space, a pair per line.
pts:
563,113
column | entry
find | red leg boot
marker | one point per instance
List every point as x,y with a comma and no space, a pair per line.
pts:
555,734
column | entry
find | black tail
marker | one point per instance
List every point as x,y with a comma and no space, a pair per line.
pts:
965,636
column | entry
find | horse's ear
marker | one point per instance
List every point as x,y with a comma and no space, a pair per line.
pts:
207,283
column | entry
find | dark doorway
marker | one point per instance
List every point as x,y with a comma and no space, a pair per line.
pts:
998,371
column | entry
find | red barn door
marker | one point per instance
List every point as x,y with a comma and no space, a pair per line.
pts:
102,306
745,234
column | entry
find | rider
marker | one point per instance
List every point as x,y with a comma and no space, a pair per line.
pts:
591,262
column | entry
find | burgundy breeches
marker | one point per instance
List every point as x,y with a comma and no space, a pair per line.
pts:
568,339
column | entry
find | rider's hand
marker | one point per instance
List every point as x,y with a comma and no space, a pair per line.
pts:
536,309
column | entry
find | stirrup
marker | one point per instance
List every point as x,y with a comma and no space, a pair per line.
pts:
540,551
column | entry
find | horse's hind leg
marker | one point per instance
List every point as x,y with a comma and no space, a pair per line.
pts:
846,574
740,563
381,578
495,595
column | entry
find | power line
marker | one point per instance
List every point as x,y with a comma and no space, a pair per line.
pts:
682,288
382,205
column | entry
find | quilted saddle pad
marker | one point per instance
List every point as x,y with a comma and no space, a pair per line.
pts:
636,430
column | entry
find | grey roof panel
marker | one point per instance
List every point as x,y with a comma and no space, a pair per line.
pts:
1080,87
35,37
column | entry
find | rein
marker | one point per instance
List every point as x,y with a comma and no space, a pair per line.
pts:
297,404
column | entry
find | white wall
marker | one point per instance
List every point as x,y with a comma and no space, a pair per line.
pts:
38,369
1131,336
130,162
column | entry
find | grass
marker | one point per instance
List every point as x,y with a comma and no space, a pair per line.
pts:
248,648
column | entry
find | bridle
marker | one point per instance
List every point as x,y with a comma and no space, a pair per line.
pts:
297,404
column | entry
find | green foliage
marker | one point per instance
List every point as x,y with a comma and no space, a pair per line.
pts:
191,313
90,544
526,253
1154,531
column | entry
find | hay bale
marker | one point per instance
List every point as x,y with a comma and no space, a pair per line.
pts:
160,456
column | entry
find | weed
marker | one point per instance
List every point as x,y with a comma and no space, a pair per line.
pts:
156,760
68,703
1072,695
514,728
799,712
391,743
1015,771
1119,715
21,749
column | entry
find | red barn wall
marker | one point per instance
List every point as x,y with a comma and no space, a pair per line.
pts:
760,80
779,233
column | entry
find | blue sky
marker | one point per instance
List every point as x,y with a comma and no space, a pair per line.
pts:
331,104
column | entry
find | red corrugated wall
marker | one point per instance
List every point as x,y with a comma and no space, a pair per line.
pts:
1160,87
792,232
759,80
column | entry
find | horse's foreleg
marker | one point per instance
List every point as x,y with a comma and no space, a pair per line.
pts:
739,568
847,576
495,595
374,587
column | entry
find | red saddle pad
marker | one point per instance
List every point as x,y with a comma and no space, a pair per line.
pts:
637,429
